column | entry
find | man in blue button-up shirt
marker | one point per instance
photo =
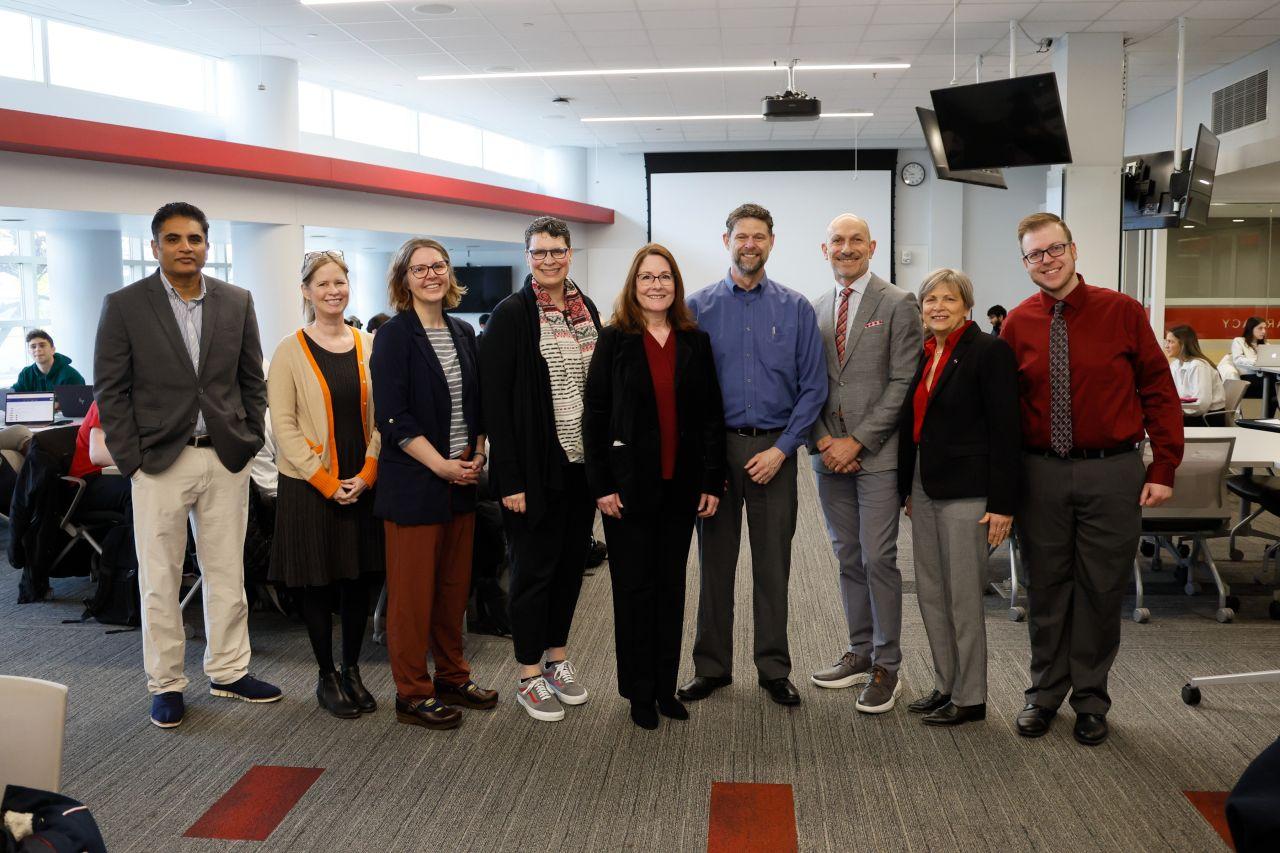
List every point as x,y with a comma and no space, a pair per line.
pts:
769,360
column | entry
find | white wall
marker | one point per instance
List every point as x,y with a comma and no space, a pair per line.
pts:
614,180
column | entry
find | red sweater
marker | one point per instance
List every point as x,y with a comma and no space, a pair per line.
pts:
662,369
81,466
920,402
1121,386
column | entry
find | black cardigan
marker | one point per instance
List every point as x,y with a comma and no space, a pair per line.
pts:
972,434
515,388
621,433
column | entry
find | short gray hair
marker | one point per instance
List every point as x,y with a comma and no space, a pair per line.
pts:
955,279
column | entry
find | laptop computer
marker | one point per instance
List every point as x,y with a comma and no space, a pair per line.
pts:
1268,359
74,400
29,409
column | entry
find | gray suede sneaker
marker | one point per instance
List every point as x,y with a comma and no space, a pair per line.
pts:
563,682
537,699
879,694
846,672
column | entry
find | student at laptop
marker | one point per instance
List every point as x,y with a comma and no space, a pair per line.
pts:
51,367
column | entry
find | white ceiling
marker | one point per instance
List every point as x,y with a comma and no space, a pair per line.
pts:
380,48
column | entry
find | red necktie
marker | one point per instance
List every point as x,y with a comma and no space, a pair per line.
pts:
842,323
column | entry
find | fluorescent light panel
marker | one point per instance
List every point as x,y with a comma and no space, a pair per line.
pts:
755,116
336,2
634,72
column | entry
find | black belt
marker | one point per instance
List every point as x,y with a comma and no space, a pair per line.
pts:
753,432
1082,452
200,441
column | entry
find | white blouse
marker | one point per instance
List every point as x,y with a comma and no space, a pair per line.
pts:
1244,357
1198,380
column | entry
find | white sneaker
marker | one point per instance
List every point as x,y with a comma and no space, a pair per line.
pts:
539,701
563,681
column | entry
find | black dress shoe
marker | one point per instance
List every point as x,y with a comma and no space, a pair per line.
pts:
951,714
356,691
781,690
702,686
428,713
644,715
1034,720
672,707
1091,729
333,698
929,704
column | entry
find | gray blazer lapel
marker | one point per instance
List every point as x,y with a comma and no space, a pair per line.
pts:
159,300
208,319
866,308
824,307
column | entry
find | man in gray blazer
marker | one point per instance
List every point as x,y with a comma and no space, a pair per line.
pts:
178,379
873,337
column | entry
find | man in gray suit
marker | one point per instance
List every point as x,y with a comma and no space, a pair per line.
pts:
178,379
873,337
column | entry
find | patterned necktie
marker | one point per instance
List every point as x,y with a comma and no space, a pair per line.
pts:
1059,384
842,323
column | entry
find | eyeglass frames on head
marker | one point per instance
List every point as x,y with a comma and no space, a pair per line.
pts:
541,254
325,253
421,270
1035,256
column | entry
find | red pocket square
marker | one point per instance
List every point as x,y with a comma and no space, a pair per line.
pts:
873,323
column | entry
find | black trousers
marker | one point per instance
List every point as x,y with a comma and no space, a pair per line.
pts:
648,554
547,562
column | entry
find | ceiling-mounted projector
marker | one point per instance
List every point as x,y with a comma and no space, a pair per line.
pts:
790,106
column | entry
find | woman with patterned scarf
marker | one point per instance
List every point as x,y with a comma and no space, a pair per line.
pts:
534,357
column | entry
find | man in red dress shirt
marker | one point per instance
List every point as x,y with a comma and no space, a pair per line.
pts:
1092,379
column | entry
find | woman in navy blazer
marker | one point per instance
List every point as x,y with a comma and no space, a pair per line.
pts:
654,441
427,403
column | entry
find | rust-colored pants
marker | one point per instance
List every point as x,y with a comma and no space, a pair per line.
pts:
428,581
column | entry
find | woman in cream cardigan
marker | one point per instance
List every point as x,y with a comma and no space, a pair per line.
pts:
327,541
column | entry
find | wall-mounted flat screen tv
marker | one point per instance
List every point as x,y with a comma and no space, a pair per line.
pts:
982,177
1015,122
486,287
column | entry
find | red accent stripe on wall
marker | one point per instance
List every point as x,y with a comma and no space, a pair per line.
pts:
1216,321
746,818
1212,806
255,805
55,136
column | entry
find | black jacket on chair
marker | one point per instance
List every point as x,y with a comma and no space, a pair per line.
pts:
620,431
971,439
410,399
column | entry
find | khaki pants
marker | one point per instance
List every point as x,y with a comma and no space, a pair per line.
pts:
217,502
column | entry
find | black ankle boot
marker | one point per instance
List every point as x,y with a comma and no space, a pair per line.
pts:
670,706
355,689
644,715
333,698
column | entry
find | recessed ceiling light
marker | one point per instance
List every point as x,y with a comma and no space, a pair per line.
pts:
434,9
708,69
170,4
13,220
1188,226
1237,220
313,35
755,116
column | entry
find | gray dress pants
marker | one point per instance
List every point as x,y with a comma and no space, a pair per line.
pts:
951,570
862,512
1079,524
771,523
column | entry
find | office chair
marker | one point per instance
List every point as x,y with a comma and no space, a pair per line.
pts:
1197,512
1017,613
78,524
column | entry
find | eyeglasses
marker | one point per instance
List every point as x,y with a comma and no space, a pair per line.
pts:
1035,256
323,253
648,278
541,254
420,270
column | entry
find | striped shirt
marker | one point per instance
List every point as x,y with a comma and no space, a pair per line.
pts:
442,342
190,317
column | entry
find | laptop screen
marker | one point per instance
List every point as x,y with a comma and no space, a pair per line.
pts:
33,408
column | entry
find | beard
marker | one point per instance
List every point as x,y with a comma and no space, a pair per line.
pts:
750,265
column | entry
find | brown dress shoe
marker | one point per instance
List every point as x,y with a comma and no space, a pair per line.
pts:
428,713
469,695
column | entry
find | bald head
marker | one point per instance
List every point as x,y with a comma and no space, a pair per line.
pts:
849,248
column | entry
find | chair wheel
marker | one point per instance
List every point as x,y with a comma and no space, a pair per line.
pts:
1273,609
1236,555
1184,551
1225,615
1147,548
1233,602
1141,615
1019,614
1190,695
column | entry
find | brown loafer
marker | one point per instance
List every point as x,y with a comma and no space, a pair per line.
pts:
469,695
428,713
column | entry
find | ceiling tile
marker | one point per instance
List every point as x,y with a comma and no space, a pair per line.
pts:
680,19
882,32
382,31
923,13
736,18
1229,8
604,21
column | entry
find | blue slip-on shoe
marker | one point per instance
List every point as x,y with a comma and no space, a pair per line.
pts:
247,688
167,710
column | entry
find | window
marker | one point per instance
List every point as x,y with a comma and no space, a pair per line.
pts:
20,47
138,263
508,156
114,65
449,140
360,119
24,296
315,109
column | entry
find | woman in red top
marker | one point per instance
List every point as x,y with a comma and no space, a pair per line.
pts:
958,458
653,438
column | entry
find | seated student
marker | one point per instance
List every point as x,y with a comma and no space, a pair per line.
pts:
51,367
102,491
375,322
1199,385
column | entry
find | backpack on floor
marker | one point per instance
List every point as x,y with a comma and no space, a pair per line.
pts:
116,601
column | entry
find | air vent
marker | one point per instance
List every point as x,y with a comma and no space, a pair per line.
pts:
1240,104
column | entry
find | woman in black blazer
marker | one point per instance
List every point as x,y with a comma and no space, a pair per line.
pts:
427,403
958,475
654,436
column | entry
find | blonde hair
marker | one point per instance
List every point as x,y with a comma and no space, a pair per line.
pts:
313,262
1036,221
955,279
398,293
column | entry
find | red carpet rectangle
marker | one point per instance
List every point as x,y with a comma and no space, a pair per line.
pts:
1212,806
256,804
746,818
